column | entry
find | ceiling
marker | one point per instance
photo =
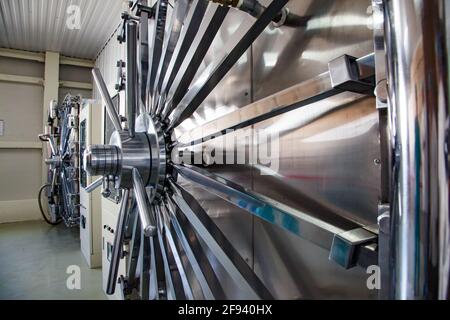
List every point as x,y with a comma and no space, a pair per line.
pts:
42,25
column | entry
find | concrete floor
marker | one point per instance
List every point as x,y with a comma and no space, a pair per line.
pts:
34,257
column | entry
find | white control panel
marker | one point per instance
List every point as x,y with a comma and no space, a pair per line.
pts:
90,203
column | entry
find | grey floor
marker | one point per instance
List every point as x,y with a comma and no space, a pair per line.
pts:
34,258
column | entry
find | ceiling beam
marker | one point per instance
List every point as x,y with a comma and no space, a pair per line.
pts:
20,145
21,79
75,85
24,55
76,62
40,81
40,57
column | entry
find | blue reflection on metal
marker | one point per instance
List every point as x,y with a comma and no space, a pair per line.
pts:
245,201
266,213
290,224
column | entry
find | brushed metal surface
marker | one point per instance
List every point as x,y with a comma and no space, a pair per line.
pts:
292,268
327,166
285,56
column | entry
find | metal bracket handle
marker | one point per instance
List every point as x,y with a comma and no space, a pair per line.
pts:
148,221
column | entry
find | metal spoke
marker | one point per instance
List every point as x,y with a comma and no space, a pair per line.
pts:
297,96
131,218
145,256
157,277
216,71
176,277
101,86
333,237
152,269
147,219
229,258
132,93
188,33
176,23
177,255
209,283
156,45
209,27
301,224
190,264
134,248
118,243
144,56
171,293
153,277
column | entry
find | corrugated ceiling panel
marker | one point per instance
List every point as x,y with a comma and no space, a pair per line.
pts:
40,25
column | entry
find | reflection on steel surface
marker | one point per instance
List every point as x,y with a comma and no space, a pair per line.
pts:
118,244
299,223
209,79
289,266
224,252
300,95
319,232
211,23
418,78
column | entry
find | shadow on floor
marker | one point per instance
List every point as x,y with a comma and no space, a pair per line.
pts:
34,258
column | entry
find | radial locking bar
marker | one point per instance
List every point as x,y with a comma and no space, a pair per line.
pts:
215,72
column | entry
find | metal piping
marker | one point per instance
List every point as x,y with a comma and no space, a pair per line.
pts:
417,71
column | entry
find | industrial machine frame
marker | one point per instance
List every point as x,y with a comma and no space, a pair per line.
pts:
62,187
